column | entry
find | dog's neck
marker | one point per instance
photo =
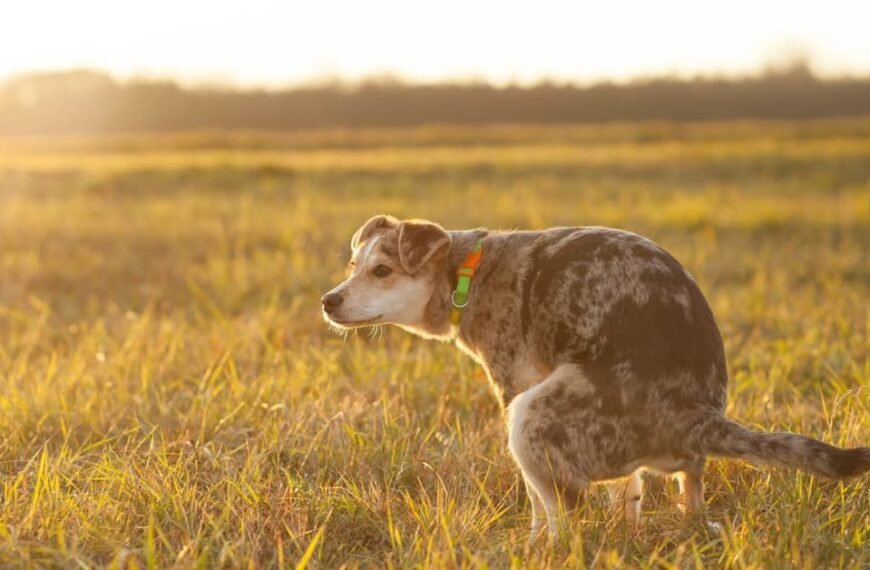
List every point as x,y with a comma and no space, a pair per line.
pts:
436,317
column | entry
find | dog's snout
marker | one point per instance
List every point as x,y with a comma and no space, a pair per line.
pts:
331,301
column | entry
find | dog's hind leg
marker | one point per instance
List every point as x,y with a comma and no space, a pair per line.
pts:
542,448
539,479
691,482
627,495
691,492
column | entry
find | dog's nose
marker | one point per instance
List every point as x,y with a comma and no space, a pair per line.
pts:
331,301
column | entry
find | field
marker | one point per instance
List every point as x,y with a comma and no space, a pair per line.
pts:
169,396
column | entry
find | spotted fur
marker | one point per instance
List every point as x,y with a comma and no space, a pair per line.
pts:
601,348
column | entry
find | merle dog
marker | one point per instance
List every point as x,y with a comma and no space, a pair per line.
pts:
598,343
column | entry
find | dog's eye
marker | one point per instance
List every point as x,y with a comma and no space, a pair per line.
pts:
382,271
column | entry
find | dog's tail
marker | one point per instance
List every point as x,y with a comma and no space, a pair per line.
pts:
718,436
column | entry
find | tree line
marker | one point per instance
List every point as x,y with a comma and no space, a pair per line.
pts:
91,102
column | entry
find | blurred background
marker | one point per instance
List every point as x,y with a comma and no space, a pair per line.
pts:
179,182
99,66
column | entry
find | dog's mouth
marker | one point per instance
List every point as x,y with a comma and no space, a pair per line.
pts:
351,323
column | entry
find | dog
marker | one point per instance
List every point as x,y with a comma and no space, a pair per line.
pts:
600,347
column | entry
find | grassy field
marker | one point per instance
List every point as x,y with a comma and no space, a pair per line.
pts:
169,396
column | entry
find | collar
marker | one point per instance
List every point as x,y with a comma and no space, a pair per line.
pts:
466,271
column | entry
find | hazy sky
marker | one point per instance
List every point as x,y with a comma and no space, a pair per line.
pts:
275,43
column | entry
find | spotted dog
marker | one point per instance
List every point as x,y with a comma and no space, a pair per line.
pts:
600,347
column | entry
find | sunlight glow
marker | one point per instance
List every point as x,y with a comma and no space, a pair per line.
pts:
275,43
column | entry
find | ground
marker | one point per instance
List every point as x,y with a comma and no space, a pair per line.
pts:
171,397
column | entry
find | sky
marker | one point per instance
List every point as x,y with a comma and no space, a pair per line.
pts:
279,43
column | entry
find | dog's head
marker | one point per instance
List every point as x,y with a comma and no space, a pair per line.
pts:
392,275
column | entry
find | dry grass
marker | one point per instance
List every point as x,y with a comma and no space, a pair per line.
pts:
171,398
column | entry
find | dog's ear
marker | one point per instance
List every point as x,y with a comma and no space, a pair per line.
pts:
367,229
420,241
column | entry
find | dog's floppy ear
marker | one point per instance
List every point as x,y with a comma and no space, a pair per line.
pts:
367,229
420,241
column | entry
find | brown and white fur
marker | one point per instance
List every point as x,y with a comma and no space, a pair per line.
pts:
599,345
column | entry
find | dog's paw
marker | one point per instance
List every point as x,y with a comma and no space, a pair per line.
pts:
713,528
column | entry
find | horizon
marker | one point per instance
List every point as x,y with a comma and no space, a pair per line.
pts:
276,46
794,67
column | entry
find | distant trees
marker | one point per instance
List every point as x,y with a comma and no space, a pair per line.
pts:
90,102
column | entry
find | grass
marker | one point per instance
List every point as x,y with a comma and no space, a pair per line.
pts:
171,398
